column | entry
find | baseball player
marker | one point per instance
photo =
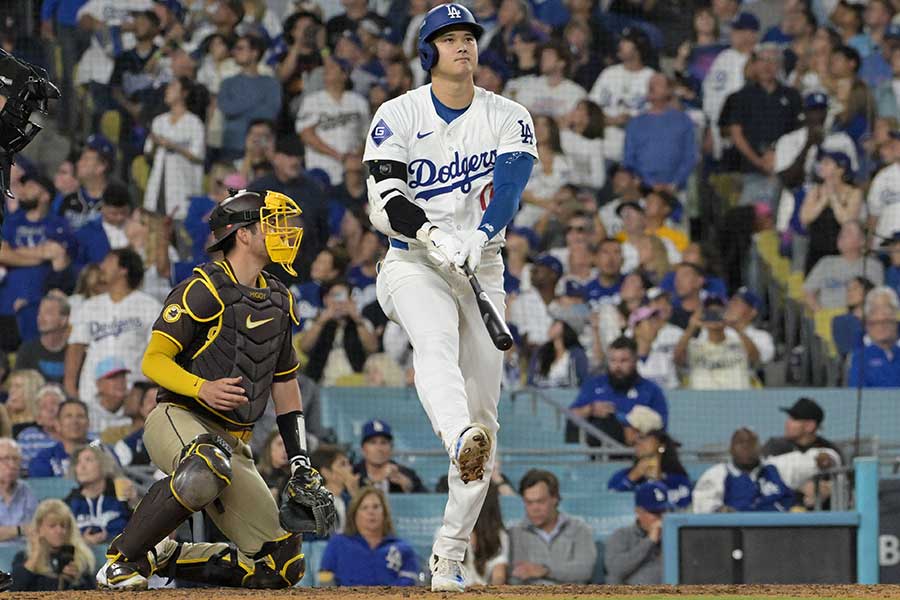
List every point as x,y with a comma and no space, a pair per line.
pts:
220,347
448,163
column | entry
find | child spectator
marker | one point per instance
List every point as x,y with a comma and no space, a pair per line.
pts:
655,459
339,477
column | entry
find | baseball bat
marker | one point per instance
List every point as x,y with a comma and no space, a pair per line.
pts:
493,320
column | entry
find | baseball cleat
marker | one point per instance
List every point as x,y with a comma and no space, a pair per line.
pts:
446,575
119,574
471,452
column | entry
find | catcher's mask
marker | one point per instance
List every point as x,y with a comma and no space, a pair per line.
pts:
27,89
277,216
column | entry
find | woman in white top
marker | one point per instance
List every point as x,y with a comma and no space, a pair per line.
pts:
582,142
487,557
178,146
552,173
150,235
216,66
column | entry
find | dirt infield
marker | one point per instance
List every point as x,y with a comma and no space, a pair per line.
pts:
505,593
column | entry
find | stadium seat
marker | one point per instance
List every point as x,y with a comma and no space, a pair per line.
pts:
140,172
8,551
51,487
111,126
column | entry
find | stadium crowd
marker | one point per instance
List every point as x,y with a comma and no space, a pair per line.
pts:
670,134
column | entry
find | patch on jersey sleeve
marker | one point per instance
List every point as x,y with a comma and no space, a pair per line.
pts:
381,132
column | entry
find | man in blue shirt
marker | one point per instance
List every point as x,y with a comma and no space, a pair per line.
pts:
96,238
72,429
877,363
605,288
605,400
17,501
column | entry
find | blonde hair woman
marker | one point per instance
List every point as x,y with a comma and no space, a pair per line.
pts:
21,403
55,557
653,258
150,235
368,552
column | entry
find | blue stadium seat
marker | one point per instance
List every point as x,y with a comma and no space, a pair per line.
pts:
312,552
8,551
51,487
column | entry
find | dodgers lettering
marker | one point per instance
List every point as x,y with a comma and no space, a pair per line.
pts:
461,172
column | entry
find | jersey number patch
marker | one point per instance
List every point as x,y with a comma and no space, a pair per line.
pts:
526,133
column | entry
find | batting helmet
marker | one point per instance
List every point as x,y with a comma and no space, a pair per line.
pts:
438,19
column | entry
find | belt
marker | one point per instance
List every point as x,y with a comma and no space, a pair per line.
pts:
399,244
243,435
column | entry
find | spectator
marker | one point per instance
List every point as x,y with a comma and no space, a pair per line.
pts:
626,187
297,54
150,235
659,143
826,284
655,459
577,256
548,180
796,152
530,310
17,501
590,52
223,19
246,96
368,553
355,12
740,314
696,55
621,89
46,244
714,360
94,169
487,557
760,113
259,143
581,139
653,259
72,430
847,329
524,48
351,193
46,353
605,288
492,73
876,66
114,323
689,282
877,362
633,554
549,93
329,265
513,16
340,339
90,283
176,142
656,340
517,251
106,408
288,178
883,199
56,558
339,478
96,238
130,449
216,65
377,469
273,464
802,453
561,361
854,106
97,503
726,74
744,484
829,205
608,321
22,396
44,432
549,547
887,102
605,399
332,122
634,230
659,206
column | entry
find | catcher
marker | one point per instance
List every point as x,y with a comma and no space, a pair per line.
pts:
220,348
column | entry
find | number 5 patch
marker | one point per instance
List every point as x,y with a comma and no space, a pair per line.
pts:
381,132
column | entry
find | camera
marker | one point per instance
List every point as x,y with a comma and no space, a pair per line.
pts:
62,557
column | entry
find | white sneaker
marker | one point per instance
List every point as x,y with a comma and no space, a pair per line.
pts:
118,574
446,575
471,452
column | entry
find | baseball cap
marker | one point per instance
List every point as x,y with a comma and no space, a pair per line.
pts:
713,300
749,297
345,65
841,159
634,34
526,232
289,144
644,419
815,100
116,194
630,203
641,313
805,409
745,21
551,262
376,427
110,366
895,237
653,496
102,146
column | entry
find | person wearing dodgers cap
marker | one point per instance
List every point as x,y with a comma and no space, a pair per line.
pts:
105,410
741,312
377,468
633,554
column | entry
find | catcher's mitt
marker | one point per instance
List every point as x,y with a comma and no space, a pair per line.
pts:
306,506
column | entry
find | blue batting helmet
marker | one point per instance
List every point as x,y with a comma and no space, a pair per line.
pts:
439,18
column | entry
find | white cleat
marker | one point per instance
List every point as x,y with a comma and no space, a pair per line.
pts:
471,452
446,575
120,575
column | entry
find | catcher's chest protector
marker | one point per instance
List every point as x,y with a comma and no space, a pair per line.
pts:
246,344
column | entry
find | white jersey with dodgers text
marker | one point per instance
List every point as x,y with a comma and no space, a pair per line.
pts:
450,167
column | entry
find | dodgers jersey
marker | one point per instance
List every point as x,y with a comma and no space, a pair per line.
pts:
449,166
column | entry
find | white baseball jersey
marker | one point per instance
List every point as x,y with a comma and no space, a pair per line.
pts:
450,167
339,123
536,93
884,200
619,92
789,146
726,76
96,63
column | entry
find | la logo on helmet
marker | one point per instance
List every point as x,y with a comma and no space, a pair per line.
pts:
453,12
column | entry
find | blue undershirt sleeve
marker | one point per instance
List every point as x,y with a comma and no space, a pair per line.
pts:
511,174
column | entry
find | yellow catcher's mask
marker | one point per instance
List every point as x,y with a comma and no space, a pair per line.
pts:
279,222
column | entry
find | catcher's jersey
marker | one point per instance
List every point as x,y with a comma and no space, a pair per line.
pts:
449,166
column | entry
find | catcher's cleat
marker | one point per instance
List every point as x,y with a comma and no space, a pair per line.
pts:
5,581
446,575
471,452
120,574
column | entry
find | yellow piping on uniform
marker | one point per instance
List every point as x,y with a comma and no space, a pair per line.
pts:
284,569
177,497
205,281
209,463
294,318
227,268
291,370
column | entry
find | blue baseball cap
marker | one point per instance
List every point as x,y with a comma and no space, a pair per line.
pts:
653,496
109,367
745,21
840,159
102,146
551,262
374,428
815,100
749,297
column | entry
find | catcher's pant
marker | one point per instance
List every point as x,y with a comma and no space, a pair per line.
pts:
458,369
245,511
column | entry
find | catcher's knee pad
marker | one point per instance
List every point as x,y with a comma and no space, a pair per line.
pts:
278,564
203,473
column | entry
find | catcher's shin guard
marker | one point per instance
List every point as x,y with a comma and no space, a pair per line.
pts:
202,474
